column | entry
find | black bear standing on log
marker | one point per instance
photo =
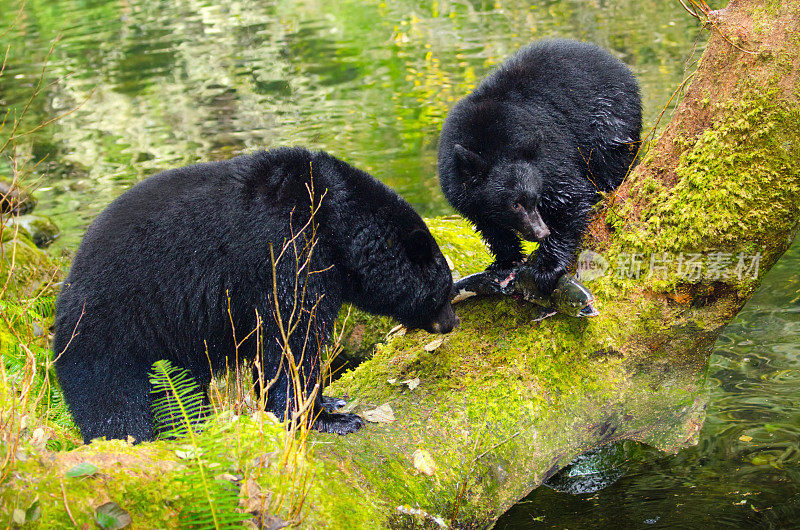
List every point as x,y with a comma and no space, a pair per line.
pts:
528,152
181,267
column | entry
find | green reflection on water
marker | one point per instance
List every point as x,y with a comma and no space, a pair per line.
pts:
180,82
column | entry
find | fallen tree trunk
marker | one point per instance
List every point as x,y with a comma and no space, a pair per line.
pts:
504,402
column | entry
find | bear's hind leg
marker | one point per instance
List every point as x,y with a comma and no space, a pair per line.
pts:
337,422
114,404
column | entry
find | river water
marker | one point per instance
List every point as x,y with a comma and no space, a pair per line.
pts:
745,470
159,84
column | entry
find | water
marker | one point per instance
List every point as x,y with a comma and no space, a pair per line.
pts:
175,82
745,470
167,83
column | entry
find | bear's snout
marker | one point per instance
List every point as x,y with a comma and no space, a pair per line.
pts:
531,224
444,322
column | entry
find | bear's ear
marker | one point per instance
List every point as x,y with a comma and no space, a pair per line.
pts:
418,246
470,162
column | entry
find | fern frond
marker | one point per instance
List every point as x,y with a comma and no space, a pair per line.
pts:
35,309
43,307
178,409
225,495
178,401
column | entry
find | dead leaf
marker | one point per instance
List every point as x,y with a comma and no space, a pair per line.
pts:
382,414
423,462
228,477
432,345
746,438
411,383
110,516
397,331
188,451
84,469
273,522
39,438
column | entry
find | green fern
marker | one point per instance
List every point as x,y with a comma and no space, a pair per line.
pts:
178,409
39,308
225,498
44,307
178,401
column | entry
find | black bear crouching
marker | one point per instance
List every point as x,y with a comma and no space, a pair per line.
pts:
159,269
528,151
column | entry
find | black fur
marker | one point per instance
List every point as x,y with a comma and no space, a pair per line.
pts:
153,274
528,151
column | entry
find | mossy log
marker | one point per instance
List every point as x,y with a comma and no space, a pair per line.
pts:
504,402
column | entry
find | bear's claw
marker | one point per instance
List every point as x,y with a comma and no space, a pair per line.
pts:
343,423
331,404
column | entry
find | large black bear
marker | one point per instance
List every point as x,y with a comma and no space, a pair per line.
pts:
158,270
527,152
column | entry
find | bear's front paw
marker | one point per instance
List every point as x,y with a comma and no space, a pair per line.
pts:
338,423
330,404
546,281
503,266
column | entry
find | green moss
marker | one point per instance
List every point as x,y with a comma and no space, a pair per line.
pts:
495,385
136,482
461,245
157,487
765,13
25,270
727,199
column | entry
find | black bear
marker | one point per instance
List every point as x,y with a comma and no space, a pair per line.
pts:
528,151
180,267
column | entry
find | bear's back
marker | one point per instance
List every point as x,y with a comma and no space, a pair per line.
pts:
207,225
577,86
552,70
596,93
